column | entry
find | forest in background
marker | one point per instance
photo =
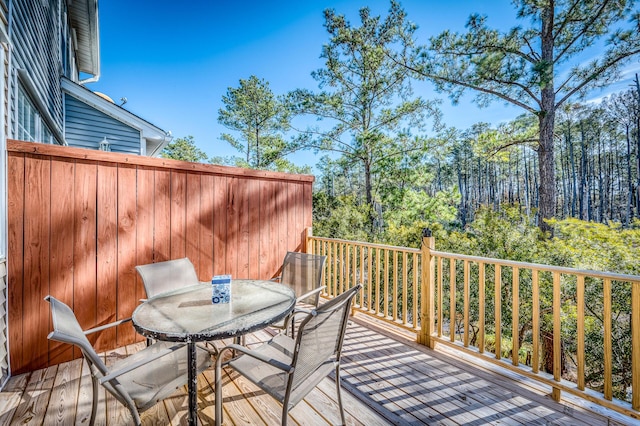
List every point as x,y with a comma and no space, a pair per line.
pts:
558,185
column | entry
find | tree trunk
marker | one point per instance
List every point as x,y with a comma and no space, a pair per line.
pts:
546,123
368,189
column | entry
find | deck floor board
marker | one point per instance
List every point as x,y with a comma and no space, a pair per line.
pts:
386,379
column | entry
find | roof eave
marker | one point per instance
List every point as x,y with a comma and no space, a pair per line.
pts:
84,21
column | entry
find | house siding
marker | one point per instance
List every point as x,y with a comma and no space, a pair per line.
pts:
86,127
35,33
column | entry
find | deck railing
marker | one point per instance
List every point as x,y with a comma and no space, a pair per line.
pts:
577,331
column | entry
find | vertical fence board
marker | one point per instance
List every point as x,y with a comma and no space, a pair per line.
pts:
207,207
266,245
281,210
253,250
126,294
15,266
162,216
220,225
84,252
37,211
178,214
193,223
107,252
61,285
144,224
243,229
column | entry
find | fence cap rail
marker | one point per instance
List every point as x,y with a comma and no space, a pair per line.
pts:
141,160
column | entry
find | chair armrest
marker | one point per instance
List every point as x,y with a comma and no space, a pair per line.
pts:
311,293
164,352
257,355
106,326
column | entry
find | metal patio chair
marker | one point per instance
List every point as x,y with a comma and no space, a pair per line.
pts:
161,277
139,381
289,369
303,272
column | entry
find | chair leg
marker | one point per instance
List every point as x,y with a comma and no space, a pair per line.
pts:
218,390
338,392
94,401
285,413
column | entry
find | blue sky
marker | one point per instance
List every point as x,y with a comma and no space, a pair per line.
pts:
174,61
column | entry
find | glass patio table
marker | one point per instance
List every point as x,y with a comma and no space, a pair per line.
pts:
188,315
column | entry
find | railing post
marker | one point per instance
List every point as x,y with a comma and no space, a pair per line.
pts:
635,345
427,310
307,244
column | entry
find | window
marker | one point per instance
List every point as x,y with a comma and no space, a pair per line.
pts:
31,127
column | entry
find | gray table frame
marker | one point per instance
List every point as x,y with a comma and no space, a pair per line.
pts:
209,331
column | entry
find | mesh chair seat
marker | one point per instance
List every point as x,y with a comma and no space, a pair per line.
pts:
153,381
273,380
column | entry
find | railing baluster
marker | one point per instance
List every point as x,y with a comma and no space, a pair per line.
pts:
465,296
341,282
370,277
377,287
386,284
497,297
557,335
347,267
452,299
580,319
515,316
635,345
608,359
535,324
481,302
405,288
362,304
440,296
414,291
395,287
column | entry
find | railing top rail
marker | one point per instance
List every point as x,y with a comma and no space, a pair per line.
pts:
360,243
538,266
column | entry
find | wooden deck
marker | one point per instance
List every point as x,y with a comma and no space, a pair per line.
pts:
386,379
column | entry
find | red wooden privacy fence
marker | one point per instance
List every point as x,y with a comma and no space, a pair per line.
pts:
80,220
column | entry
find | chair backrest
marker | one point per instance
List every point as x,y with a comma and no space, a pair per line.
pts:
165,276
303,272
320,336
66,329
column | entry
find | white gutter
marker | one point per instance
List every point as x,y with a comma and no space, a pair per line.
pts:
93,79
